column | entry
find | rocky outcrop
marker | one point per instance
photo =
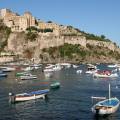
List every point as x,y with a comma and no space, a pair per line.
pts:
17,42
108,45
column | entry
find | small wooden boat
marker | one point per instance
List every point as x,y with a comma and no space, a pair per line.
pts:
21,73
27,96
107,106
55,85
28,77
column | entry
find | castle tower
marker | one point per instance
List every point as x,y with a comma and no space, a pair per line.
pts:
30,19
3,12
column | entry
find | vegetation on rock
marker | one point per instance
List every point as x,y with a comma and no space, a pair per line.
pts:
78,53
4,34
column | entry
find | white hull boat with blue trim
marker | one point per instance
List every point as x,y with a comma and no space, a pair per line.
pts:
107,106
28,96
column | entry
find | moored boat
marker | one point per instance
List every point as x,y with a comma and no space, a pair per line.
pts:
28,77
20,73
107,106
28,96
105,74
79,71
2,74
55,85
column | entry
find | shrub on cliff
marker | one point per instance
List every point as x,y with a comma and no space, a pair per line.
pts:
4,34
95,37
31,36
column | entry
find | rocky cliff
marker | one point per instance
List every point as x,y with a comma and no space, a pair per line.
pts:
17,43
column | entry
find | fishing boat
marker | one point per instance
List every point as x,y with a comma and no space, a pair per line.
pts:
28,96
107,106
55,85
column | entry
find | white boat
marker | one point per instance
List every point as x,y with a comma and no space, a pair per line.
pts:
75,66
112,66
91,69
57,67
2,74
66,65
28,77
107,106
36,66
79,71
49,66
28,96
28,68
7,69
111,75
48,74
48,70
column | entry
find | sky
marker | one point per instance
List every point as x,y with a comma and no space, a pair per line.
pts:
99,17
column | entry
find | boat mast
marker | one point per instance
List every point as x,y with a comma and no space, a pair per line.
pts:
109,91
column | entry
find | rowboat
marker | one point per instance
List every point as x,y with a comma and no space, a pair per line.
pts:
28,96
28,76
107,106
21,73
55,85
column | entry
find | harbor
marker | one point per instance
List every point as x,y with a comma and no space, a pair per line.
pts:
70,101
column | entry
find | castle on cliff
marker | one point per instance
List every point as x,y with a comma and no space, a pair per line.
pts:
20,23
15,21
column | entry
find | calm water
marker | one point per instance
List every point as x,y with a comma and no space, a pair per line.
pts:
72,101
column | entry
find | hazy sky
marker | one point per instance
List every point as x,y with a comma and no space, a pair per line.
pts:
93,16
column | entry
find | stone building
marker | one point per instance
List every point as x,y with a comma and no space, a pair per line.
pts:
51,25
15,21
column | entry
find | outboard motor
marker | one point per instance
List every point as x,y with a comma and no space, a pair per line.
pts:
97,111
11,98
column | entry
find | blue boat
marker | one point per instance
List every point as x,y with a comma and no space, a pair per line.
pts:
107,106
28,96
2,74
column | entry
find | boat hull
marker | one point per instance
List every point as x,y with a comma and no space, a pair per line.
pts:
27,96
105,76
98,109
33,97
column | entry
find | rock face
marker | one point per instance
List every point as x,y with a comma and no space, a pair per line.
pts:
17,42
108,45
